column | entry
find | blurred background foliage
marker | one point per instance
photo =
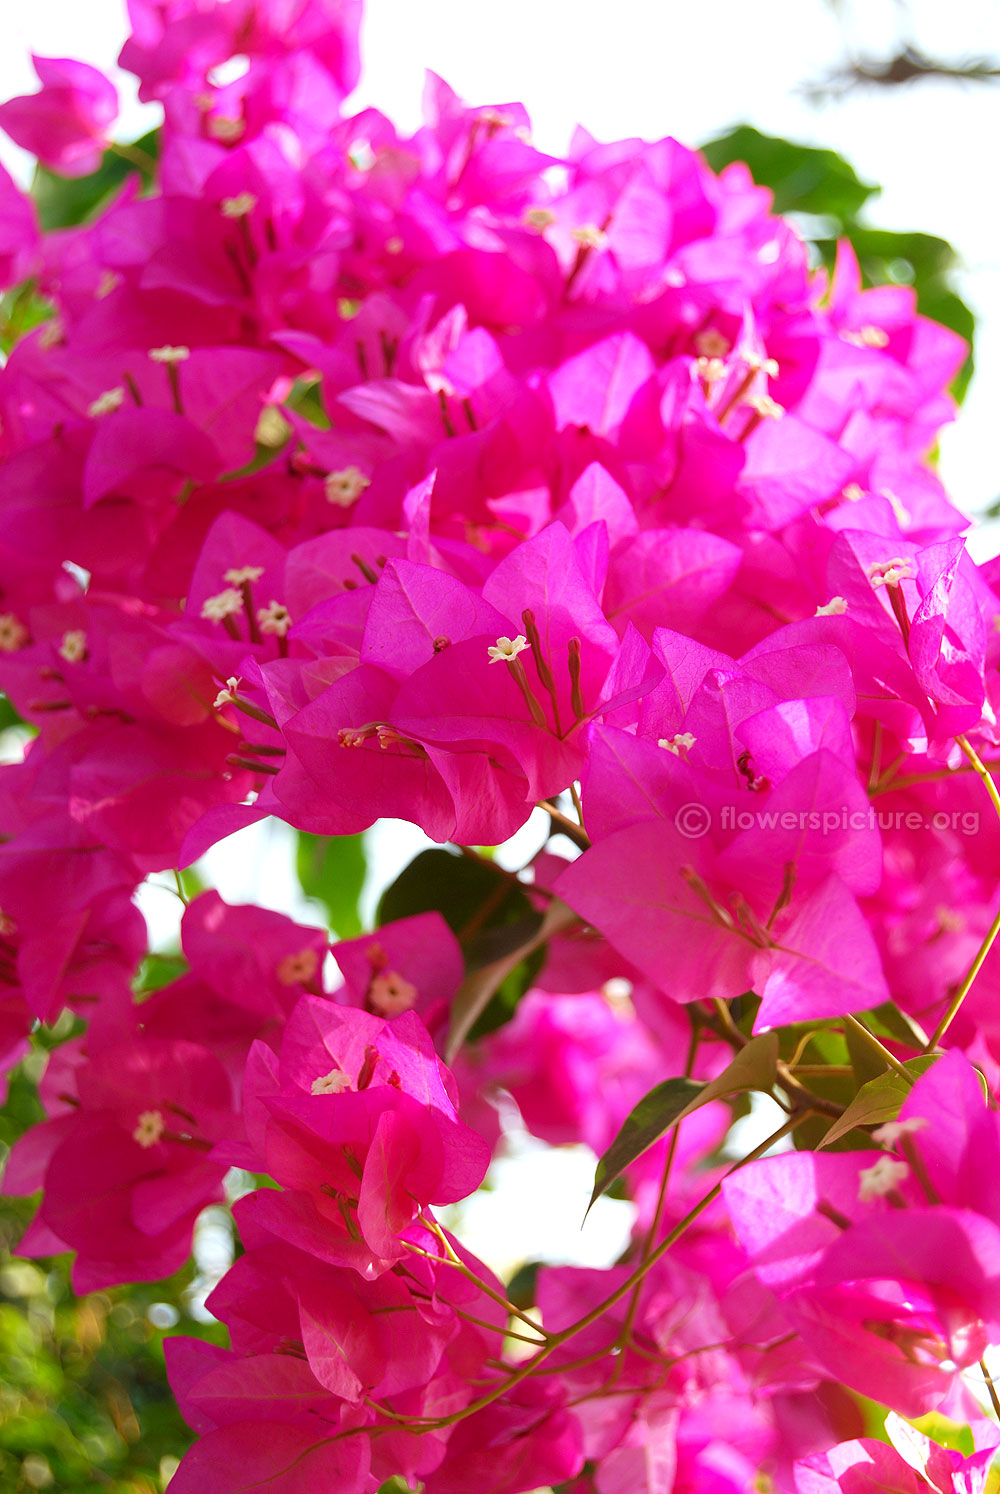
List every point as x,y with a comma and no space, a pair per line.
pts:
84,1402
825,198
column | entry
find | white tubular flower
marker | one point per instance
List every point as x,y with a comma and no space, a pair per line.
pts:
345,487
333,1083
711,343
389,994
274,618
168,354
13,633
890,572
238,207
881,1178
867,337
589,236
893,1131
227,695
296,969
150,1128
111,399
765,406
507,649
223,604
73,647
226,130
682,742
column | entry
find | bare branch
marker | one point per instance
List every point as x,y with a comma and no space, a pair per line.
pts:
907,66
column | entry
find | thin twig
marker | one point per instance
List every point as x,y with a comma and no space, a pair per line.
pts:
563,825
955,1003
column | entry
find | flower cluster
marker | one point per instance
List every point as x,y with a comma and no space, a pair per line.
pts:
352,475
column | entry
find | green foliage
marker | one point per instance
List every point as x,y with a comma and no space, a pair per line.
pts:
753,1068
823,186
10,717
83,1393
947,1433
879,1100
158,970
485,908
472,894
522,1287
646,1122
84,1400
513,955
332,870
306,399
21,311
803,178
64,202
22,1109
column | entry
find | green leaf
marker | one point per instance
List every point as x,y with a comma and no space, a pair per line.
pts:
22,310
754,1067
654,1115
191,882
939,1428
158,970
8,715
470,894
523,1285
263,457
803,178
827,194
879,1100
306,399
888,1020
489,913
481,985
866,1062
332,870
64,202
921,260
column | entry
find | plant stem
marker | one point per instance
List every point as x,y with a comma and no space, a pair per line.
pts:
978,766
878,1048
990,1387
562,822
556,1340
955,1003
451,1259
727,1029
654,1227
135,156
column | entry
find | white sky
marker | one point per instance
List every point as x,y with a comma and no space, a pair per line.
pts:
648,68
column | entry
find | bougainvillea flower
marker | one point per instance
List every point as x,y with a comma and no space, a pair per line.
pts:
911,1464
890,1298
66,124
127,1171
357,1120
351,474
